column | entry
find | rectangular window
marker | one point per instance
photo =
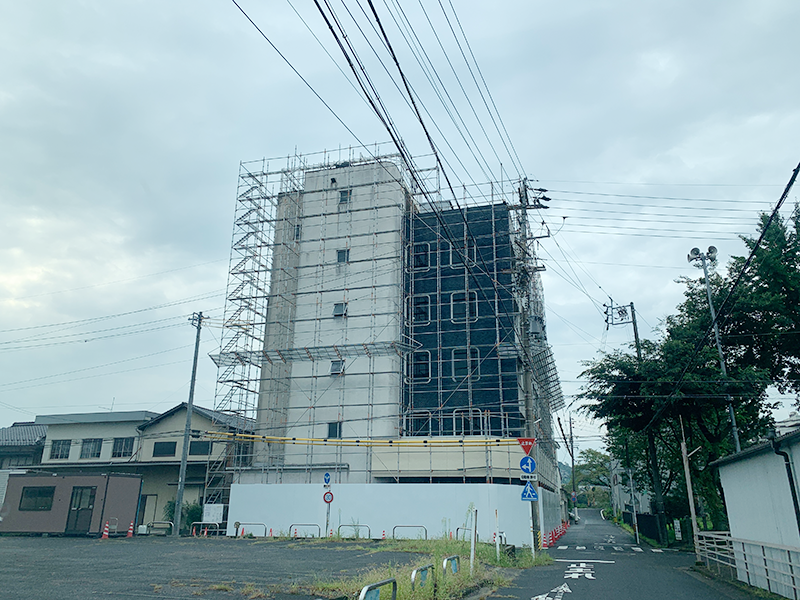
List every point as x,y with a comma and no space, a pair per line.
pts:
420,309
60,449
345,196
460,252
343,256
466,363
335,430
419,366
340,309
123,447
421,256
200,448
337,367
90,447
463,306
37,498
164,449
297,231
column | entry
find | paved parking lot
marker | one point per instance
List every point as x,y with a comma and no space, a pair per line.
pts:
158,567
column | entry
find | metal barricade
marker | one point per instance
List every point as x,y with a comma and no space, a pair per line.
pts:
356,527
201,523
372,591
161,525
243,523
294,527
396,527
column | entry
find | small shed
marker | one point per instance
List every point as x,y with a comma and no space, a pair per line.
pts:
758,495
70,504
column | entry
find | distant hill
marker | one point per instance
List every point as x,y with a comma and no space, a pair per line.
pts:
566,472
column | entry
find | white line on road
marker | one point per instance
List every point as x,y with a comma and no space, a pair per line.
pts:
637,549
580,547
656,550
563,547
572,560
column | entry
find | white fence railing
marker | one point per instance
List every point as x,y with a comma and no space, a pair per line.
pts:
769,567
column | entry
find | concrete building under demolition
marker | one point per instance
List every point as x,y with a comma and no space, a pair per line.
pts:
380,333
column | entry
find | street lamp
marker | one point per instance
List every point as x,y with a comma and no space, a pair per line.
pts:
695,254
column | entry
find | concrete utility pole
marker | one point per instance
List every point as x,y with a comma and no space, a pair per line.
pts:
197,321
695,254
689,492
572,455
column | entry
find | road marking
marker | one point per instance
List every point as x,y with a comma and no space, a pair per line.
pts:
656,550
569,560
619,548
578,570
600,547
563,547
580,547
637,549
559,591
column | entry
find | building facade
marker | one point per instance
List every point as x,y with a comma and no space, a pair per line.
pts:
378,334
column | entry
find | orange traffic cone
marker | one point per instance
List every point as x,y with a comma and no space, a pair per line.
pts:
130,530
105,532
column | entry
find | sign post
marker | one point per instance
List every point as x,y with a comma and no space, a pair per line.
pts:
527,465
327,497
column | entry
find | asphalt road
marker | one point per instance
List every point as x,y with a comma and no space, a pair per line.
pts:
595,559
157,567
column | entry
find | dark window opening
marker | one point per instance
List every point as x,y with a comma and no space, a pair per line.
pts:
420,366
164,449
335,430
466,364
421,256
199,448
340,309
297,231
420,310
37,498
343,256
345,196
337,367
464,306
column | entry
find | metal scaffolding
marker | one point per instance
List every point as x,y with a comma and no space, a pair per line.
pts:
361,306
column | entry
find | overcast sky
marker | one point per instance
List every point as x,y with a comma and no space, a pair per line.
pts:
655,127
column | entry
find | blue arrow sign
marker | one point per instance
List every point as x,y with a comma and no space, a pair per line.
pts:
527,464
529,493
327,477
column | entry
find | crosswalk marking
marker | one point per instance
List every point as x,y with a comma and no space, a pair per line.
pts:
616,548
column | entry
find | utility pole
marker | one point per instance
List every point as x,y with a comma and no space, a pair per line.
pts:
197,321
633,494
618,315
572,455
695,254
689,491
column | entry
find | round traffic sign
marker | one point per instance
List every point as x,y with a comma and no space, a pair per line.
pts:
327,497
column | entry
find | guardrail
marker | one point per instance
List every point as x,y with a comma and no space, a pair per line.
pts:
356,527
161,525
367,590
243,523
296,525
767,566
396,527
421,574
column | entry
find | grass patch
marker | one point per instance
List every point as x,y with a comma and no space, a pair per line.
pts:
220,587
